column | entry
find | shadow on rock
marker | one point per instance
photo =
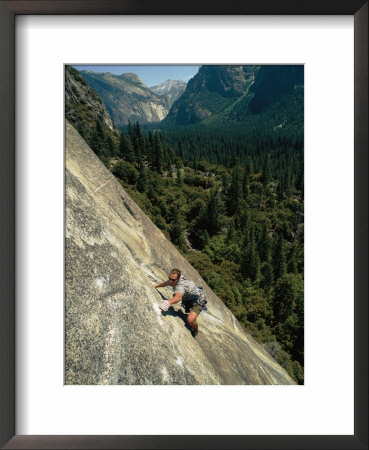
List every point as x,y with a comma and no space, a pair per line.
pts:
177,313
162,296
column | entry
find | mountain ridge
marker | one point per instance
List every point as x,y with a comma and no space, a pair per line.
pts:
127,98
171,90
223,95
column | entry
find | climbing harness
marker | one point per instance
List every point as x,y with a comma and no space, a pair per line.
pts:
195,300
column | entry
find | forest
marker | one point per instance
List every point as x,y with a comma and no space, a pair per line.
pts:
232,202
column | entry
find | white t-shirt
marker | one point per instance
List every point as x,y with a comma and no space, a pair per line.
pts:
188,288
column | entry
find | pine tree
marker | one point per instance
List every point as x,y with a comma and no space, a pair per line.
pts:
179,177
158,153
130,131
249,165
288,182
300,180
142,181
246,184
266,176
126,151
232,233
292,262
97,139
151,193
203,239
268,277
254,262
280,190
250,262
111,148
235,191
99,131
138,142
279,257
215,213
176,230
242,220
264,243
225,183
284,298
180,151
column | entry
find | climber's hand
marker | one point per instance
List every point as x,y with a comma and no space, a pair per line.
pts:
165,305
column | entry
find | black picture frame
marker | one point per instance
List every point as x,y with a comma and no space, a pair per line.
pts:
8,12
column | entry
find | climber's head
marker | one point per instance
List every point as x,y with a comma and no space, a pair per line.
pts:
174,276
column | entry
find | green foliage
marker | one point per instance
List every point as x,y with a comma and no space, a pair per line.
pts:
284,299
256,304
126,150
293,368
198,181
250,261
142,182
88,118
235,190
126,172
288,314
74,72
215,213
177,229
279,257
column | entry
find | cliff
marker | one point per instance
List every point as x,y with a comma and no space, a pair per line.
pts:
170,90
83,107
221,95
127,98
115,331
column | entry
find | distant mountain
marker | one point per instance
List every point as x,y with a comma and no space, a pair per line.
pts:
233,94
171,90
127,98
210,91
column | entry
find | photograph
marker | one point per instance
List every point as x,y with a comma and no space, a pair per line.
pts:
184,224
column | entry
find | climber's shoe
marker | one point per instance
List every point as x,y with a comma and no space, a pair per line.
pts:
194,333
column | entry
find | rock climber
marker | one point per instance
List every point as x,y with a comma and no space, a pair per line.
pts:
192,296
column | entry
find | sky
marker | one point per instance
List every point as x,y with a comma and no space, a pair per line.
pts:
150,75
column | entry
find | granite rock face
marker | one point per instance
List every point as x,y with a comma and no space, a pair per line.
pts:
115,331
127,98
170,90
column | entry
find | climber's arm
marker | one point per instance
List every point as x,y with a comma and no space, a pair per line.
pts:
176,298
167,303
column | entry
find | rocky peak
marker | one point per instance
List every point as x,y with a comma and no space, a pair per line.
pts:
171,90
115,331
127,98
131,77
